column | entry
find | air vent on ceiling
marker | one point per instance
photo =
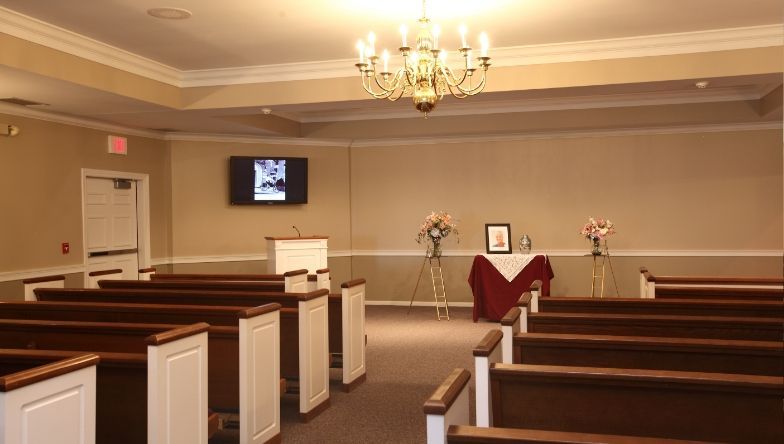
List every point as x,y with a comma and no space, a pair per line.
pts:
23,102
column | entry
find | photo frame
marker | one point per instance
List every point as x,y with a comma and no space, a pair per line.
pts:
497,238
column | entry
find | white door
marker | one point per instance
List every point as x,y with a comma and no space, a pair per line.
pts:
111,225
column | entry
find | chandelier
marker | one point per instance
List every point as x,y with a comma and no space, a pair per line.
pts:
424,75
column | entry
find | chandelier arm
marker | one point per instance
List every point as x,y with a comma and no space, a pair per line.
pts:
394,84
400,94
377,95
472,91
450,77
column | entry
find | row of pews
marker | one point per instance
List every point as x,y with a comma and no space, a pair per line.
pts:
693,360
177,358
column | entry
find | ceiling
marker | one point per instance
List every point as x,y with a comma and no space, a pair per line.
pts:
242,33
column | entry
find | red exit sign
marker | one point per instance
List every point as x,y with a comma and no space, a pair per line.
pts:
118,145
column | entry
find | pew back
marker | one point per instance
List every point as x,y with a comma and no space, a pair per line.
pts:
651,403
705,327
172,372
683,307
764,358
45,398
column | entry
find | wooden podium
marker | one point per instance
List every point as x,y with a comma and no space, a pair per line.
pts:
295,253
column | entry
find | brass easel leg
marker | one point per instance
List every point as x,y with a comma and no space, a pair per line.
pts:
419,278
617,293
604,261
593,277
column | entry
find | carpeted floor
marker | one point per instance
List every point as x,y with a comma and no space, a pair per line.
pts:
408,356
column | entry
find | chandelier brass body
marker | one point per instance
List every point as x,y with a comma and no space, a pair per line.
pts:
424,75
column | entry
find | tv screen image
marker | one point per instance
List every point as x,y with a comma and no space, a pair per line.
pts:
270,179
266,180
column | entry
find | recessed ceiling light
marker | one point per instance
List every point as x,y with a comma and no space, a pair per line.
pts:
170,13
702,84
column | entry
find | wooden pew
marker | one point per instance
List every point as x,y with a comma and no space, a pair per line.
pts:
520,319
146,273
46,398
168,364
683,307
759,294
57,281
316,281
465,434
446,412
650,285
628,402
308,336
103,275
346,339
763,358
244,349
705,327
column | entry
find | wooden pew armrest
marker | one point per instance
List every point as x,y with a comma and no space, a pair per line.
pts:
447,405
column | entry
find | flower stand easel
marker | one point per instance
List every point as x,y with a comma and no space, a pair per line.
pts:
433,257
604,254
596,231
433,230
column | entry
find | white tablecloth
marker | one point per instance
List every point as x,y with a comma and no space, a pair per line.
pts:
509,265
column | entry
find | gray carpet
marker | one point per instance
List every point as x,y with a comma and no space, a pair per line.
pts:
408,356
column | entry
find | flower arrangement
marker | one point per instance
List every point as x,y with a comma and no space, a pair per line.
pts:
598,229
436,227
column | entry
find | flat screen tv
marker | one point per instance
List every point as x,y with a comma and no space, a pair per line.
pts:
265,180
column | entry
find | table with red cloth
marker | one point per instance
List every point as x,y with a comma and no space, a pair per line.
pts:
494,295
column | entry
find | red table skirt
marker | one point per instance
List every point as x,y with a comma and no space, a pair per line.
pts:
494,295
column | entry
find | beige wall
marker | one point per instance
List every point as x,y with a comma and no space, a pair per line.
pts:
717,191
205,224
40,190
707,191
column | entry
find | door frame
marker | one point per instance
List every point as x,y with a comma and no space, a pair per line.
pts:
142,212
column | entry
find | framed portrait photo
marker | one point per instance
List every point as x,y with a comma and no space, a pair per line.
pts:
497,239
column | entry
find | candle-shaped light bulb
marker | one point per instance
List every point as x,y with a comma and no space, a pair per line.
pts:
361,49
403,32
463,30
371,48
436,33
484,42
385,56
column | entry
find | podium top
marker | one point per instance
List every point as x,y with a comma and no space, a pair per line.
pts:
296,237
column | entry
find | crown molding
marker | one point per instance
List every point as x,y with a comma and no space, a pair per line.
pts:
197,137
43,33
21,111
569,134
554,104
643,46
49,116
627,47
54,37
